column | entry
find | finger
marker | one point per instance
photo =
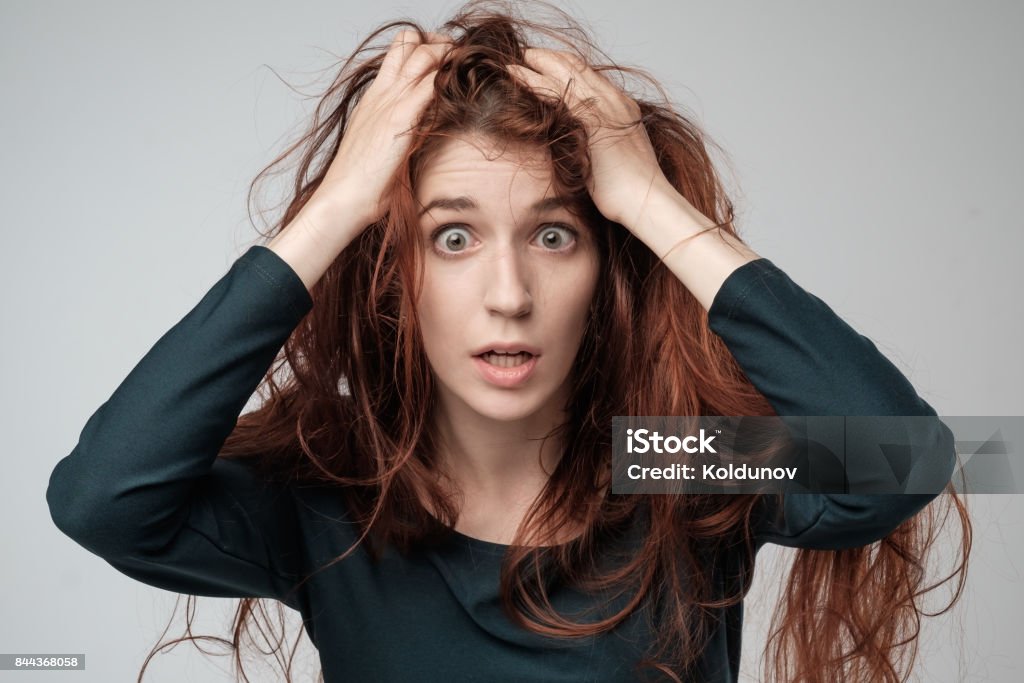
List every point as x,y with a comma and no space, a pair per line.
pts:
563,67
424,90
438,37
550,87
403,45
425,57
541,84
415,98
581,83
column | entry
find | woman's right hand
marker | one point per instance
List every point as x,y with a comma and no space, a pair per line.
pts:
350,196
376,138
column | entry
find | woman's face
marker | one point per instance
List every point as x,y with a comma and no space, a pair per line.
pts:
502,268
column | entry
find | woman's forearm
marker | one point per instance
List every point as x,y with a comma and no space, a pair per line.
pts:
701,263
313,239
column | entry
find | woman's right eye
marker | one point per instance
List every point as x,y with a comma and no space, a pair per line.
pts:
449,239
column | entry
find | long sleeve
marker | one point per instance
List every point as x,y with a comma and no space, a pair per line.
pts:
144,489
807,361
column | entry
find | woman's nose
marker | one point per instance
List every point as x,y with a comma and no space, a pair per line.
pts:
508,285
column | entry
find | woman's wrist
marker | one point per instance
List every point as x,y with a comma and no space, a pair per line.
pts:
701,255
337,221
312,240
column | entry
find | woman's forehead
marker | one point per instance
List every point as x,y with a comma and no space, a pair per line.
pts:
473,155
464,178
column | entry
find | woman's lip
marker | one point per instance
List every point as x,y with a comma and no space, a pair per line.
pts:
505,377
507,347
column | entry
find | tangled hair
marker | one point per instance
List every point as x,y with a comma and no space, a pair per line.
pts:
347,401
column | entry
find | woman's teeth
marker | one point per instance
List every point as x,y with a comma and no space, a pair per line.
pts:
503,360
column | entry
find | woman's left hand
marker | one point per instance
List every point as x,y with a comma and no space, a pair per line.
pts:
625,169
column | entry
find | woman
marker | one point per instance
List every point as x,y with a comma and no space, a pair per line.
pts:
491,251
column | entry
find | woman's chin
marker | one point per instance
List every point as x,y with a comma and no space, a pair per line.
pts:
496,403
505,409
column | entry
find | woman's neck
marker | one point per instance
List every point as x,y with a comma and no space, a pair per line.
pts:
494,459
500,467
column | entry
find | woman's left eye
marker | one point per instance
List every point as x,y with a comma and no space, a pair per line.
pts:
557,236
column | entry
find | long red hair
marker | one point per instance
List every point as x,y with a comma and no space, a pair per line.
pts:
347,401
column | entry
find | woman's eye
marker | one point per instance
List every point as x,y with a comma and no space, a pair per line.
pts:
452,239
557,236
449,240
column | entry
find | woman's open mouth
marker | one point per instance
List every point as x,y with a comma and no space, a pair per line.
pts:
505,369
506,360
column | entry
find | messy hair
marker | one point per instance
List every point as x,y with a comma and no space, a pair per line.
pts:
347,401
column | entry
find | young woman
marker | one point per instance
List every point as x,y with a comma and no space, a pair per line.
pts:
491,251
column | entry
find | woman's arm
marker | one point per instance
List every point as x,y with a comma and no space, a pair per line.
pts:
144,489
672,228
793,347
807,361
322,229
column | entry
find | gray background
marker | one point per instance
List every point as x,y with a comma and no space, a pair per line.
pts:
873,157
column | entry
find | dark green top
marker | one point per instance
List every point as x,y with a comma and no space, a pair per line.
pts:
144,490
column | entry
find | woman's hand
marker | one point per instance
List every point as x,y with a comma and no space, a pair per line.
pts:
625,169
627,184
373,143
376,139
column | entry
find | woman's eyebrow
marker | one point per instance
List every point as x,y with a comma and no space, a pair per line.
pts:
464,203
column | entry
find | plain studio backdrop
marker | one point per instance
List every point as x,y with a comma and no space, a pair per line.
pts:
874,155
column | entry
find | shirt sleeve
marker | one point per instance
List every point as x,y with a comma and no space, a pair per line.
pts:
807,361
144,488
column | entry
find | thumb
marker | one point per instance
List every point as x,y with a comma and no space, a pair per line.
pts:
422,91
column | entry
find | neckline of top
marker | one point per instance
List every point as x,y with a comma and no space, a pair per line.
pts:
479,543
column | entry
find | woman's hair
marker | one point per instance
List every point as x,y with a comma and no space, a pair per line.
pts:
347,402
